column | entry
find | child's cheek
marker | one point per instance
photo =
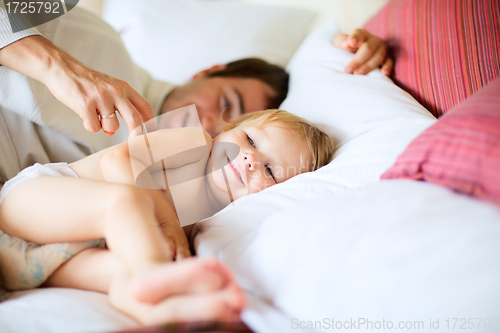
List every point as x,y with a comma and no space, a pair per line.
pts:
257,186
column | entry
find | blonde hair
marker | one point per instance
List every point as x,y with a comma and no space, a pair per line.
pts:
321,146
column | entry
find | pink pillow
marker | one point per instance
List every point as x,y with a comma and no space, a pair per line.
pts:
461,150
444,50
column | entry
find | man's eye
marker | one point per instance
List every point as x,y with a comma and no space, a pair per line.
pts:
250,141
225,108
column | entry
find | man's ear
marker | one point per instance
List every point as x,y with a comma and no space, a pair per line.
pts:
208,71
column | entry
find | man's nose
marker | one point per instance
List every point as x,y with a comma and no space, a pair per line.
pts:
209,124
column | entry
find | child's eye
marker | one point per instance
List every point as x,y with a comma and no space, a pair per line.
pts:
270,172
250,141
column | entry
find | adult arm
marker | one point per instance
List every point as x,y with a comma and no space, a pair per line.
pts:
87,92
370,52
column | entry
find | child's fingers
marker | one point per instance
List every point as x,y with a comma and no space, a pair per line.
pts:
182,250
170,248
182,253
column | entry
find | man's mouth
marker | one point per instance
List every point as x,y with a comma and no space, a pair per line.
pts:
235,170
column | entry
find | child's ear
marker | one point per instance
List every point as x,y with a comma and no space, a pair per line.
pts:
208,71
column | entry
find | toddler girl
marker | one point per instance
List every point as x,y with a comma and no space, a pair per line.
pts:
120,237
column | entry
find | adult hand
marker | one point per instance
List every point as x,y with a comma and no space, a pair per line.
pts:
370,52
87,92
95,96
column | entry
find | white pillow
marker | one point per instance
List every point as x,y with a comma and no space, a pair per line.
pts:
371,119
175,39
346,105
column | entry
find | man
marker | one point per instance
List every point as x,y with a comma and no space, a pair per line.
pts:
94,76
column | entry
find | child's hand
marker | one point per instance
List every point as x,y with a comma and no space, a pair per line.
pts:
176,239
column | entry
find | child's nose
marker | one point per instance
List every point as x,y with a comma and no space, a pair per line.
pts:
251,161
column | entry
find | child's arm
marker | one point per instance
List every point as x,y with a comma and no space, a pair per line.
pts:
124,162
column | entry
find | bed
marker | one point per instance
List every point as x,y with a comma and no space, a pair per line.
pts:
340,248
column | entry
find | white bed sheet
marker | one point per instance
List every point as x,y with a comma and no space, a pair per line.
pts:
59,310
402,251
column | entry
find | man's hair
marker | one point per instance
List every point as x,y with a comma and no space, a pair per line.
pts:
321,146
254,68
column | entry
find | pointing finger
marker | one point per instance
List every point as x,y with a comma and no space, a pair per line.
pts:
129,113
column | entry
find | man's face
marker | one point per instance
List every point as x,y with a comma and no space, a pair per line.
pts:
217,97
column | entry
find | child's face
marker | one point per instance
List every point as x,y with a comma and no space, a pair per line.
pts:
268,155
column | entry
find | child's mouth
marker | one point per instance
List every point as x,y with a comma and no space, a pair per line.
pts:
235,171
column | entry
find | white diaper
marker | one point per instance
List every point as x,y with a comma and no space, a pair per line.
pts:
26,265
35,171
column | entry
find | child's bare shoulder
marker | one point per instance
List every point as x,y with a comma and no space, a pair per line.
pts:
189,136
180,146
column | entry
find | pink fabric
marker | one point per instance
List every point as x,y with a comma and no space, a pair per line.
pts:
445,50
461,150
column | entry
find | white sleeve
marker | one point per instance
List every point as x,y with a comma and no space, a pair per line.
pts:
7,37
